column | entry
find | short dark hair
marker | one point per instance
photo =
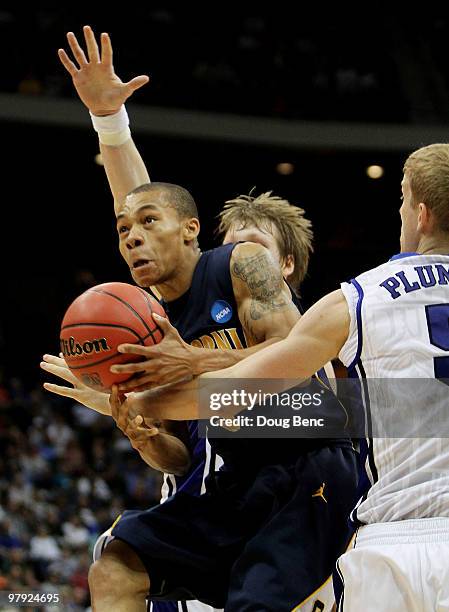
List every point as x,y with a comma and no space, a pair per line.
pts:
177,197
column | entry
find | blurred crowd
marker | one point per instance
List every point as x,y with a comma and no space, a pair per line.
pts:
66,473
373,65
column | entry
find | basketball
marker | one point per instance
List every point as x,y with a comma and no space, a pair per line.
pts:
98,321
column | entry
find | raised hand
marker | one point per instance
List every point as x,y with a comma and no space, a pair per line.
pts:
78,391
95,81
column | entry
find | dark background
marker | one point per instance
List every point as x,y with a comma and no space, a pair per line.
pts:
345,88
382,67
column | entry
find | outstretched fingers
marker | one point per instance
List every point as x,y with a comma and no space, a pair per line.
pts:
91,44
78,53
106,49
60,371
55,360
137,82
67,63
64,391
58,367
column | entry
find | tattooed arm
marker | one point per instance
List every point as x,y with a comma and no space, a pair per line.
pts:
264,301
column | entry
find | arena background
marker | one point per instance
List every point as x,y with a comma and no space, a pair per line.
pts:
233,94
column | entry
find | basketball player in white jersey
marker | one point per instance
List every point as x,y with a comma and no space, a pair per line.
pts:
391,322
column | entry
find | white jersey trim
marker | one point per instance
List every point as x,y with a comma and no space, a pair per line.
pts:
349,350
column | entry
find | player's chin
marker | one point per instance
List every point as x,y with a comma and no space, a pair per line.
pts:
145,278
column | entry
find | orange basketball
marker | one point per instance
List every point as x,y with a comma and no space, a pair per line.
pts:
98,321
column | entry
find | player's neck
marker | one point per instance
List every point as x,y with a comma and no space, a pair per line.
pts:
176,286
434,245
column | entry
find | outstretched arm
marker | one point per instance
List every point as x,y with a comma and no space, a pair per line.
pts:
104,93
316,339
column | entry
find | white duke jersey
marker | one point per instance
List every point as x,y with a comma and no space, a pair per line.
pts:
399,329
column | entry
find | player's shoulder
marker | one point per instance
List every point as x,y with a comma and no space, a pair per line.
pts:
217,255
214,265
381,269
220,252
401,262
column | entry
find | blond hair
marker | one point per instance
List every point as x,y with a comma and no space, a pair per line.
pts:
295,231
427,170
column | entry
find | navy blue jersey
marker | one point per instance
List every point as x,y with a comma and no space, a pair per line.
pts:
205,316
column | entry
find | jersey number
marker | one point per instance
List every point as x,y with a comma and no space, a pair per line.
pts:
438,325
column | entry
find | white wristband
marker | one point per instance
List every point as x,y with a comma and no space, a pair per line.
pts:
112,129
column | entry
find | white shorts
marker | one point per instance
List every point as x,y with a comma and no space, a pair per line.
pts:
401,566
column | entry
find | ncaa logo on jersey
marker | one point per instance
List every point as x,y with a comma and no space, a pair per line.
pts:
221,312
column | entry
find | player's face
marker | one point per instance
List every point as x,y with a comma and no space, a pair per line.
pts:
409,219
267,237
150,237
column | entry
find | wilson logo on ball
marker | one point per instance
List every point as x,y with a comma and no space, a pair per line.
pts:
97,322
72,348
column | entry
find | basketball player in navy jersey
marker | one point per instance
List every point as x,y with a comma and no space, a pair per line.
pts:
261,488
240,216
147,207
391,322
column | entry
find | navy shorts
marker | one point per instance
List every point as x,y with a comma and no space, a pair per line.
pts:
260,541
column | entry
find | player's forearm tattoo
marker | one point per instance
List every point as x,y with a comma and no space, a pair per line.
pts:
264,281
